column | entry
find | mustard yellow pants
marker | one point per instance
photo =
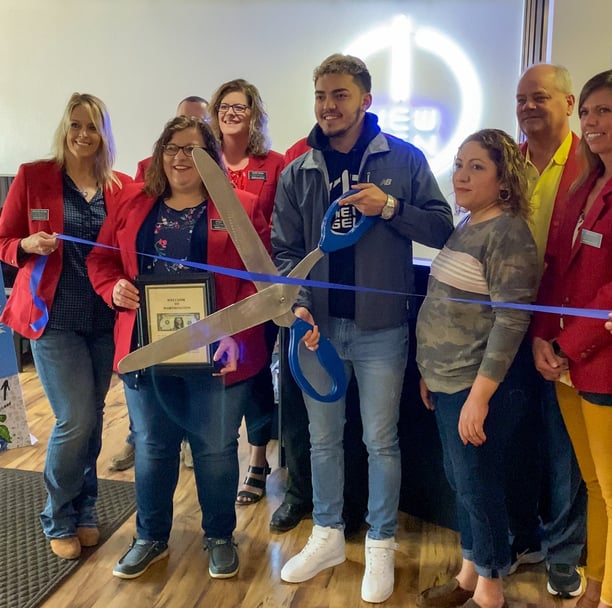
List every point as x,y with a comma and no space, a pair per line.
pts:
590,429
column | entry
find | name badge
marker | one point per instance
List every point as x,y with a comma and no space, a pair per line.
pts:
588,237
263,175
41,215
217,225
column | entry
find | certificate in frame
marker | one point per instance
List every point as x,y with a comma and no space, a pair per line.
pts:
169,302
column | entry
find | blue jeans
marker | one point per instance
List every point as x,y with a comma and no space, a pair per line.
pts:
378,359
565,498
75,370
475,473
163,411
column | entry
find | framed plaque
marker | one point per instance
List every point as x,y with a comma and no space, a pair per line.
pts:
169,302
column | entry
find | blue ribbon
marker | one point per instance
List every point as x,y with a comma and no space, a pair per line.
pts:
592,313
37,271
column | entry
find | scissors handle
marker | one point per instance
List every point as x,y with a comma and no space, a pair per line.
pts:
328,358
332,241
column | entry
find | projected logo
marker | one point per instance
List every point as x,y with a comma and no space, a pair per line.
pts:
432,95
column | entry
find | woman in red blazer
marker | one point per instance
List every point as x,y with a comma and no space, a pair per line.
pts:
174,217
54,304
240,121
577,351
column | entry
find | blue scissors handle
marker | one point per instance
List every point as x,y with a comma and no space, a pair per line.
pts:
332,241
328,358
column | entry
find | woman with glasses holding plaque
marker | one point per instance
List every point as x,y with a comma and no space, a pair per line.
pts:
53,304
240,122
172,219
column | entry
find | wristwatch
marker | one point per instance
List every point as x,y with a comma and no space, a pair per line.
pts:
390,208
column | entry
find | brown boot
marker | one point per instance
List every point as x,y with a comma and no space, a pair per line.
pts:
124,459
66,548
88,537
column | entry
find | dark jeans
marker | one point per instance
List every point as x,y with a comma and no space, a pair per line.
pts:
474,473
545,493
164,410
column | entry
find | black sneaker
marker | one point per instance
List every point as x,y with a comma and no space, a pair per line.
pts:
563,580
222,557
140,555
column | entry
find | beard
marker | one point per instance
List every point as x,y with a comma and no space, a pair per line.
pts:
339,132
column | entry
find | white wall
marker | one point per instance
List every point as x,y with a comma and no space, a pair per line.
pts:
142,56
582,40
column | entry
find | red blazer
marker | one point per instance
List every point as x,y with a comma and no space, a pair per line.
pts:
107,266
581,276
143,165
262,175
569,175
37,186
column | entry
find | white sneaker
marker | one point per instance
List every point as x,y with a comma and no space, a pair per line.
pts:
324,549
379,577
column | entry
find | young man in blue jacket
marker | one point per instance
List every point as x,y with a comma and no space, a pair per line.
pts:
369,331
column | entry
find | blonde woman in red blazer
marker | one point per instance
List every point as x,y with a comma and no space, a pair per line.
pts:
68,323
174,217
239,120
577,351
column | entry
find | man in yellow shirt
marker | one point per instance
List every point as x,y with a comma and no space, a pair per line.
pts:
544,103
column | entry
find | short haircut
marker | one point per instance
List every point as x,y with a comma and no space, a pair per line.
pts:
193,99
345,64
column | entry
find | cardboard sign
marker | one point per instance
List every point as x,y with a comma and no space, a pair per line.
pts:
14,432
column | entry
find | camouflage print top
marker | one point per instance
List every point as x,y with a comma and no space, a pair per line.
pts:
494,260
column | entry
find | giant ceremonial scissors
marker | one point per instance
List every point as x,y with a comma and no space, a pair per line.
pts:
272,301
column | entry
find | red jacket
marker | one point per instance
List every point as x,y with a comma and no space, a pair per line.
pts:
107,266
569,175
141,169
38,185
581,276
262,175
297,149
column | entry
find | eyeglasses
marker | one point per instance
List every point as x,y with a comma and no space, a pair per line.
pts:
238,108
173,149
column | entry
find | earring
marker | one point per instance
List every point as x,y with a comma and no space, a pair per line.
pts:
504,194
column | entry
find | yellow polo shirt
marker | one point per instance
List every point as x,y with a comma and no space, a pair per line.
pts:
542,191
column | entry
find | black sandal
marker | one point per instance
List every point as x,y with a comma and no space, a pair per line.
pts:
250,498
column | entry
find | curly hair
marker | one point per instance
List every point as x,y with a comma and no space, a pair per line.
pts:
345,64
587,159
259,140
105,155
156,182
510,164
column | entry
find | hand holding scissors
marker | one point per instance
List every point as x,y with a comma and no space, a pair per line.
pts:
273,301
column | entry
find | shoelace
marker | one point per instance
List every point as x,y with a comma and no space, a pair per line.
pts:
313,545
380,560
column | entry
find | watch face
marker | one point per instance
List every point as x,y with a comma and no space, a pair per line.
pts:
388,211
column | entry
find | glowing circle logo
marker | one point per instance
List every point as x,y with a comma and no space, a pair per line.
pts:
432,96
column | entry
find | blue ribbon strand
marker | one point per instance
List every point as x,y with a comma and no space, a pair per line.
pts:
37,271
592,313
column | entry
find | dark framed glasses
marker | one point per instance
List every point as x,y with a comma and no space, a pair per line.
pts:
173,149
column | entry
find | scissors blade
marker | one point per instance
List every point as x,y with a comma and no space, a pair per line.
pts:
251,311
237,223
300,271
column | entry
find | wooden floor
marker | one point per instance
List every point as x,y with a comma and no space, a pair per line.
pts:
426,553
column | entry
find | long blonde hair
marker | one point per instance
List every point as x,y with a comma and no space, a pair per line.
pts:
105,155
